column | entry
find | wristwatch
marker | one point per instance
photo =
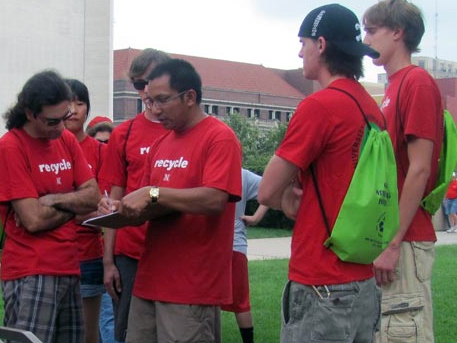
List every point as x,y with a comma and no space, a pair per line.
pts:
154,194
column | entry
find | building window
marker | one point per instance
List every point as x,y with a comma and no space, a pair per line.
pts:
228,110
270,115
139,105
257,113
422,63
215,110
206,108
249,112
236,110
278,115
288,116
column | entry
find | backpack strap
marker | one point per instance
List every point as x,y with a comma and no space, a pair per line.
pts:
319,198
358,105
99,158
127,135
318,194
3,226
355,100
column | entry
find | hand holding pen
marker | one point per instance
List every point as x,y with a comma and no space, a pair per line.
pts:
106,204
108,201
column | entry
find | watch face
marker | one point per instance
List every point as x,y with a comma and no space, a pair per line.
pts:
154,194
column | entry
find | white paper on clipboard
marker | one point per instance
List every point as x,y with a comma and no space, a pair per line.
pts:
113,220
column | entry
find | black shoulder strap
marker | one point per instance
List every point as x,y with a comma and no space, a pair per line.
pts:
99,157
127,135
318,194
360,107
355,100
321,205
3,233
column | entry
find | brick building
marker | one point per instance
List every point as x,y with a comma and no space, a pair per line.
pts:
448,88
267,94
228,87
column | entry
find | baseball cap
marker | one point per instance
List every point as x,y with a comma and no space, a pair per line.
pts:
339,25
99,119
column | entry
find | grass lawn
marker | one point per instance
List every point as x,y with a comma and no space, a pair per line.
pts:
260,232
268,277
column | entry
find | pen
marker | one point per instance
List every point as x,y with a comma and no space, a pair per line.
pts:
108,200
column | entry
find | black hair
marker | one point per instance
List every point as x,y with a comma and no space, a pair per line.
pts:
340,63
183,76
46,88
80,92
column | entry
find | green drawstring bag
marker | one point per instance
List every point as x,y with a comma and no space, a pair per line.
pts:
448,160
369,215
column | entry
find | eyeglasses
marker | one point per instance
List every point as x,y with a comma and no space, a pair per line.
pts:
56,121
160,102
139,84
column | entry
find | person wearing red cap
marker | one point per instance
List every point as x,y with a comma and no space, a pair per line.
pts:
413,109
97,120
127,150
325,298
100,128
450,205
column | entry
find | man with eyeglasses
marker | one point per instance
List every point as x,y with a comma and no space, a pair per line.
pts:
126,154
46,184
191,183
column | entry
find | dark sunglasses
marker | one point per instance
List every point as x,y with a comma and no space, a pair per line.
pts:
56,121
139,84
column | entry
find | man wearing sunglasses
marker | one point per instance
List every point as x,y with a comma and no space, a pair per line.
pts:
45,183
126,154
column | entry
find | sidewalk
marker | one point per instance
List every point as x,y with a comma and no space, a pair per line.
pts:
271,248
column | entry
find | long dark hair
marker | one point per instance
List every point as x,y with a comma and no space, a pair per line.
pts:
46,88
80,92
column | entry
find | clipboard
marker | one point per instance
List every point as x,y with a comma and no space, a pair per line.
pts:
113,220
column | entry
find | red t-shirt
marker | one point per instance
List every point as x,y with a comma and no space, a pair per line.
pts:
325,132
187,259
421,115
33,168
452,190
89,245
127,171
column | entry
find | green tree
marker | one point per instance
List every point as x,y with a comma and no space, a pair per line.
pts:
259,145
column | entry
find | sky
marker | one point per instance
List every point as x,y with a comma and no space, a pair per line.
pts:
255,31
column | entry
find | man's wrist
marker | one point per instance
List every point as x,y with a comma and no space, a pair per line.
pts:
108,260
395,244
